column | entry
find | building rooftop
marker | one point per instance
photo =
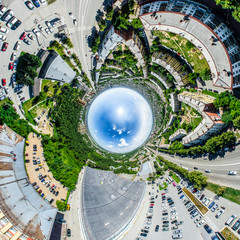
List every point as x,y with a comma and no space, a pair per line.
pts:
19,202
55,68
201,36
108,203
206,99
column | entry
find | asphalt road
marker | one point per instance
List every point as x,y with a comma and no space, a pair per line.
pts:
219,167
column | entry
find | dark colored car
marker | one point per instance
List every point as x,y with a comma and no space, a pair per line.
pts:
4,46
16,25
142,234
156,228
186,203
196,168
208,229
34,184
201,198
36,3
236,225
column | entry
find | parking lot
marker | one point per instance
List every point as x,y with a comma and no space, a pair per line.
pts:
39,174
170,214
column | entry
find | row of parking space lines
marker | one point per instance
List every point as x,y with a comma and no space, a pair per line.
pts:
39,173
213,206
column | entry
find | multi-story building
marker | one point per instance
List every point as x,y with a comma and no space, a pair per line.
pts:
180,133
211,124
116,37
227,75
197,100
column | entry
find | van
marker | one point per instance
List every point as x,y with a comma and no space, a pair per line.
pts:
230,220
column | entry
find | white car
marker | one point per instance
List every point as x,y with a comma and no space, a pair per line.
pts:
2,37
177,231
75,21
13,56
6,90
201,223
36,32
30,36
48,24
4,30
207,170
174,218
15,65
17,45
51,30
40,27
232,173
177,236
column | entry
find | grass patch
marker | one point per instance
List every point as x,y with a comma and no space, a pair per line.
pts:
50,87
198,204
175,178
181,45
228,234
26,106
51,1
163,186
195,122
6,101
213,94
40,107
229,193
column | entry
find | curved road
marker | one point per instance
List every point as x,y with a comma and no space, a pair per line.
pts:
219,167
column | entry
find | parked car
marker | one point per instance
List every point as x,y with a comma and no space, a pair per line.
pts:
36,3
207,170
236,225
17,45
3,30
4,46
4,81
218,215
10,67
29,5
16,25
207,228
232,173
7,15
230,220
23,35
11,22
36,32
177,236
211,205
3,9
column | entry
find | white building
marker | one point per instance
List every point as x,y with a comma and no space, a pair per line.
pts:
180,133
215,24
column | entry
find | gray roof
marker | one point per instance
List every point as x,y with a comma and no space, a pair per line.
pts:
108,203
20,203
57,69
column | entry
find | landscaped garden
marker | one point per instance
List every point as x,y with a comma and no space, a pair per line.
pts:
185,48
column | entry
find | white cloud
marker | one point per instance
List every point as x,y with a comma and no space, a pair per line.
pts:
128,132
110,146
123,143
114,136
95,131
119,131
114,127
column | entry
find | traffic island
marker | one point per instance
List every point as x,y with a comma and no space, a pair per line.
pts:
202,209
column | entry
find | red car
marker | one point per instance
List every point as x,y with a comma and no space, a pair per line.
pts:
10,66
152,204
4,81
4,47
24,34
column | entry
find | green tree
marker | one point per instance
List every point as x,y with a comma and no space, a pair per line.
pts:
102,24
221,191
68,42
236,122
198,178
192,78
